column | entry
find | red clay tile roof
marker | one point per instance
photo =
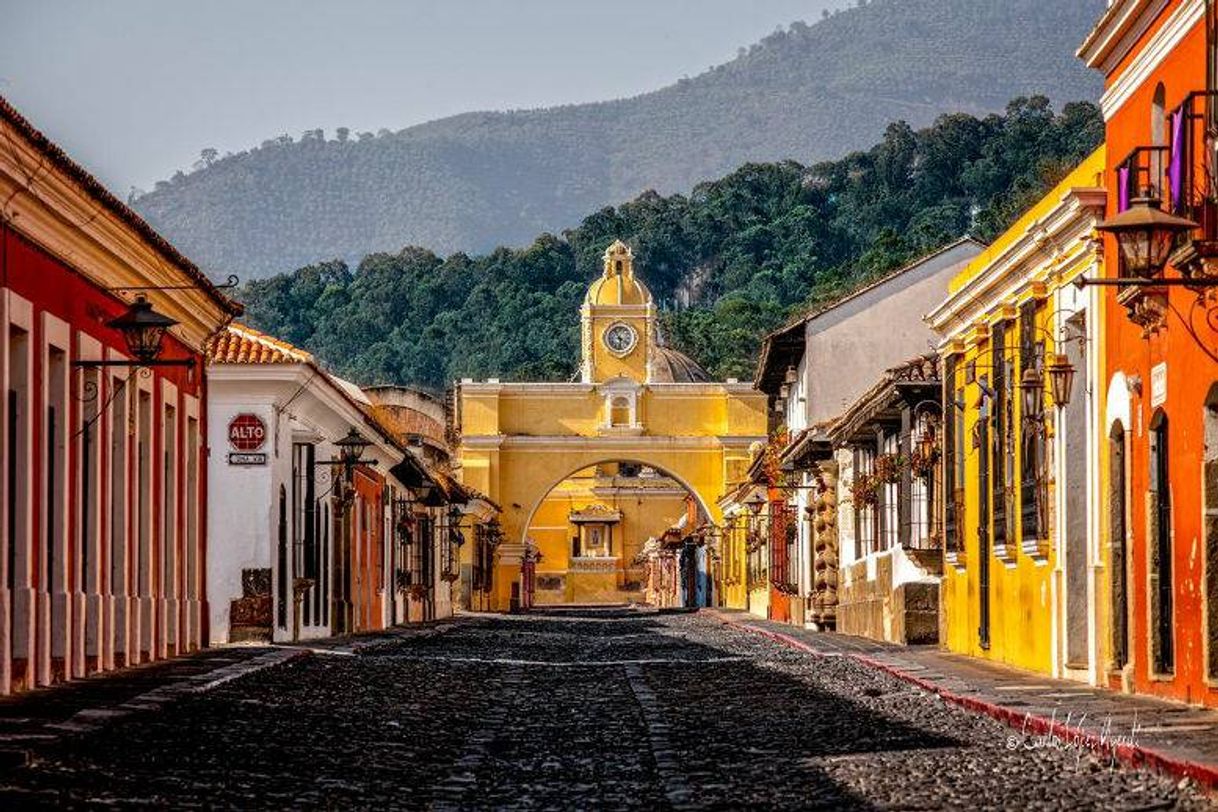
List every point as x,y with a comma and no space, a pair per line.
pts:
238,344
121,210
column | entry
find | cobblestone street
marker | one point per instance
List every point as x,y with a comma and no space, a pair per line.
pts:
607,709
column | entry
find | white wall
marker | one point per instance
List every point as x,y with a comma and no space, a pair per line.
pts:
848,348
240,509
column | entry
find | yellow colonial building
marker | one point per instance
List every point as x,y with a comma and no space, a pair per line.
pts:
637,403
1020,353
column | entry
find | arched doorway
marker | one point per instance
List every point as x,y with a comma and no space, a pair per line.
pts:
618,531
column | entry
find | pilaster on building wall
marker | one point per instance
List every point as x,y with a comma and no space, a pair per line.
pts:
104,480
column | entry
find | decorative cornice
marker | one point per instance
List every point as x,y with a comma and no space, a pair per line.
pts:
1061,234
1142,67
1116,32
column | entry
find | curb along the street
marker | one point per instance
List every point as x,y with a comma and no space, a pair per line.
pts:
1131,754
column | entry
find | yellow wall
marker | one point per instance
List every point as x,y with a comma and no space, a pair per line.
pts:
518,468
1024,602
633,365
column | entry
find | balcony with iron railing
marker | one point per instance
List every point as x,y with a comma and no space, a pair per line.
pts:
1167,214
1190,181
1180,175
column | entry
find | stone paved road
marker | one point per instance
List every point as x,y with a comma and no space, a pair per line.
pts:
605,709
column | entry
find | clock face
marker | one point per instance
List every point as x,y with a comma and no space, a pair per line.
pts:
620,338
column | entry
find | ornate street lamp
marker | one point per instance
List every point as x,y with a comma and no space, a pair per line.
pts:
350,448
143,329
755,503
1030,389
927,442
791,377
1146,234
454,525
1061,380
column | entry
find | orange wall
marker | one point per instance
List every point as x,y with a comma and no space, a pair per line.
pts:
1191,371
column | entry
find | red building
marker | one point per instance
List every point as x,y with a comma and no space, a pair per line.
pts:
102,535
1159,469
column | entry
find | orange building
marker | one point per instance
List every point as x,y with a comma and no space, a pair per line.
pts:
1159,462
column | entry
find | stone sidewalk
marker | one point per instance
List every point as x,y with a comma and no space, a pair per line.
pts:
38,718
1177,739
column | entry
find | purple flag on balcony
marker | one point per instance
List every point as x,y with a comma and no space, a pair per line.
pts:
1175,169
1122,189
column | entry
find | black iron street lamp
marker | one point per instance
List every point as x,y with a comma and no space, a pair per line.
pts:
454,525
755,503
1145,235
143,330
928,443
351,448
1030,389
1061,380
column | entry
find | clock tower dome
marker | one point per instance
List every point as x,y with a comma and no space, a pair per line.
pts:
619,322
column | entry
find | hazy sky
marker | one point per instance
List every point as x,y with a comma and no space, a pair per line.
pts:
135,88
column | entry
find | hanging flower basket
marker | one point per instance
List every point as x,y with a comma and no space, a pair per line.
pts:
923,465
864,491
888,469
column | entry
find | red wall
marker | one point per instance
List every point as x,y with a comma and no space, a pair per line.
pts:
53,287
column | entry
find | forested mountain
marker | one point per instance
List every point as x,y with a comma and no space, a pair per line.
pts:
473,181
728,262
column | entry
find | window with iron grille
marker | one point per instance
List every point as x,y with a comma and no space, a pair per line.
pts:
922,523
953,457
426,542
865,514
1031,356
783,537
1002,447
450,558
890,497
304,509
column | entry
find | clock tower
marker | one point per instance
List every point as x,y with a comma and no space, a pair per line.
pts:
619,322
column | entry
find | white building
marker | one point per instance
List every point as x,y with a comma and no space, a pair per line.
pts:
301,547
815,368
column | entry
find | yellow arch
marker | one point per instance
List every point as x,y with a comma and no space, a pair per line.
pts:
703,506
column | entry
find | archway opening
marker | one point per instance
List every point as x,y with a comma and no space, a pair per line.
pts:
619,532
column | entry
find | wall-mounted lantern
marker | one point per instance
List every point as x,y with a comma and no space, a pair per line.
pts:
143,331
1061,380
755,503
1146,234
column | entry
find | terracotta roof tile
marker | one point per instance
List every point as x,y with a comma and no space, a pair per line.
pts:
238,344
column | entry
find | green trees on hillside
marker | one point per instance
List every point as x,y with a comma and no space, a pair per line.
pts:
728,262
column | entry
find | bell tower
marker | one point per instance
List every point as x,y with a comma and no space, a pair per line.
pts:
618,321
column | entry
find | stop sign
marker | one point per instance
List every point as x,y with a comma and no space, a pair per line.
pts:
247,432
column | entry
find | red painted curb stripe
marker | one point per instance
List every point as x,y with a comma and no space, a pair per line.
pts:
1134,755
